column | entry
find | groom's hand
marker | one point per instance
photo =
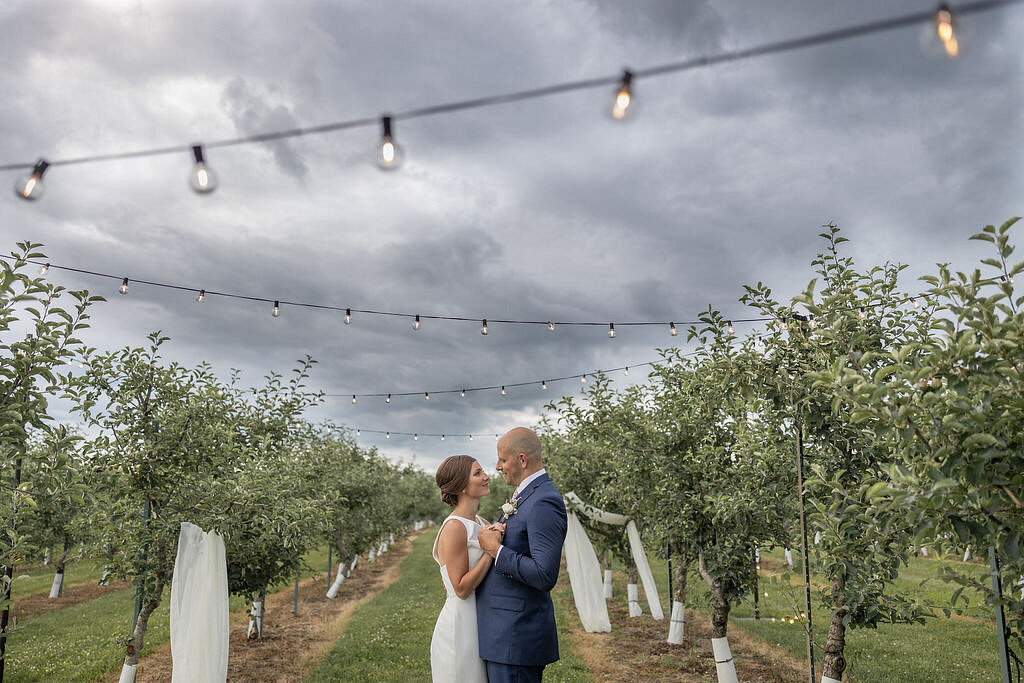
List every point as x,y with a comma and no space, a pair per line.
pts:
490,540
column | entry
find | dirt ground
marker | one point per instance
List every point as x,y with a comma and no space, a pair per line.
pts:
637,650
293,645
39,603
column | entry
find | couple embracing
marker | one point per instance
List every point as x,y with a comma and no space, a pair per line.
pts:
498,623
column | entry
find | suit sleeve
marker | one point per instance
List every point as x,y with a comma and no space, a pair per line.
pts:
539,568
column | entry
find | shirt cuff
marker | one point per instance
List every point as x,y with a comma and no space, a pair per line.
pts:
498,554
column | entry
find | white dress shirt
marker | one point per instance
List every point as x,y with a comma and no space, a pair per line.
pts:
515,494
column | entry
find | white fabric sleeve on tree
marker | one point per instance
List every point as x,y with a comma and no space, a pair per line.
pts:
646,577
585,578
829,679
676,627
58,584
332,592
633,596
789,558
607,584
724,664
128,673
199,607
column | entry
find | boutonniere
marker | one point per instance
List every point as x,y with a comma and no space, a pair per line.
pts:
508,508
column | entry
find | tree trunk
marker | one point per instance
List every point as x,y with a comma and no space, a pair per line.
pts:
835,662
632,589
58,577
676,628
720,614
133,649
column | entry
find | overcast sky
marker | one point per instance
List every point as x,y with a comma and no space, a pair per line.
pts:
544,209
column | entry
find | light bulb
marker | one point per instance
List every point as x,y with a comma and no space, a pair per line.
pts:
626,371
416,324
353,399
730,329
611,330
812,322
359,432
201,296
470,437
551,326
348,316
45,269
623,96
277,309
389,155
544,385
861,313
495,437
503,392
124,286
462,393
415,437
483,328
426,395
945,29
388,399
672,329
913,302
387,435
203,179
31,187
442,437
583,379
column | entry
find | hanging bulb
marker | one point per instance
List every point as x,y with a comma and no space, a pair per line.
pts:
359,432
387,435
277,309
944,27
31,187
426,395
483,328
442,437
672,329
415,437
201,296
611,330
353,399
913,302
811,321
583,379
551,326
626,372
861,313
462,393
495,437
389,155
388,399
45,269
470,437
348,316
730,329
203,179
544,384
623,96
416,324
124,286
503,392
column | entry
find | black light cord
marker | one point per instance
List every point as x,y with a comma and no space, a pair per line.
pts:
558,88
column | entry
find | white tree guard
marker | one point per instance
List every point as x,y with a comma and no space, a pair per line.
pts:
199,607
676,625
128,673
633,594
817,537
607,584
373,556
585,578
58,584
829,679
332,592
967,553
789,558
724,664
924,551
256,617
47,556
355,561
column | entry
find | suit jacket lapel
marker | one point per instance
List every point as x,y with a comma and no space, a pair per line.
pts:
523,495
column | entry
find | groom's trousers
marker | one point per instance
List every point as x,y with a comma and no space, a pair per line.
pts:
512,673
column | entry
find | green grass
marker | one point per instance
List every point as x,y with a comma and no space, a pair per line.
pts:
40,579
389,637
77,643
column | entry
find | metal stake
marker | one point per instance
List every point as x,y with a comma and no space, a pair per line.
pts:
803,540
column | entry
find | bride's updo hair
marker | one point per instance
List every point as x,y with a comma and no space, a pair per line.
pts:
453,476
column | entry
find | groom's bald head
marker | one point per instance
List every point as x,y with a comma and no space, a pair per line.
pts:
518,455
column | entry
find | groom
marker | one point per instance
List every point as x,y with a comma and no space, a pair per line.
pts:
515,618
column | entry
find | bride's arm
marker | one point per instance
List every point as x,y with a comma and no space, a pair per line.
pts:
454,554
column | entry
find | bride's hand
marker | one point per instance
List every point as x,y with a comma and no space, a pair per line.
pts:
498,527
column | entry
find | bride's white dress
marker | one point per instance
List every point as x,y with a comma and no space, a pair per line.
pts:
454,649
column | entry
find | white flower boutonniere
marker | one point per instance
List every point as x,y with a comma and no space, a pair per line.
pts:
508,508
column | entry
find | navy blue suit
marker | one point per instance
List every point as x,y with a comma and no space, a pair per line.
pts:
515,617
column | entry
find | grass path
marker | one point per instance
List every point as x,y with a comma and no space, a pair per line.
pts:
388,638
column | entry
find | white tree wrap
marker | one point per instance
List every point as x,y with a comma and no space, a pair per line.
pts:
127,673
676,627
58,584
199,607
585,578
633,593
332,592
607,584
789,558
724,664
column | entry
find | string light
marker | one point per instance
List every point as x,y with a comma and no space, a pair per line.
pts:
611,330
389,155
483,328
203,180
945,29
442,437
44,269
913,302
544,385
672,329
462,393
416,324
623,96
31,187
470,437
551,326
200,296
583,379
277,309
426,395
124,286
415,437
503,392
388,435
348,316
353,399
626,371
359,432
730,329
388,399
861,313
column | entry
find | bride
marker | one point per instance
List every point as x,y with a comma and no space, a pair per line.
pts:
454,648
